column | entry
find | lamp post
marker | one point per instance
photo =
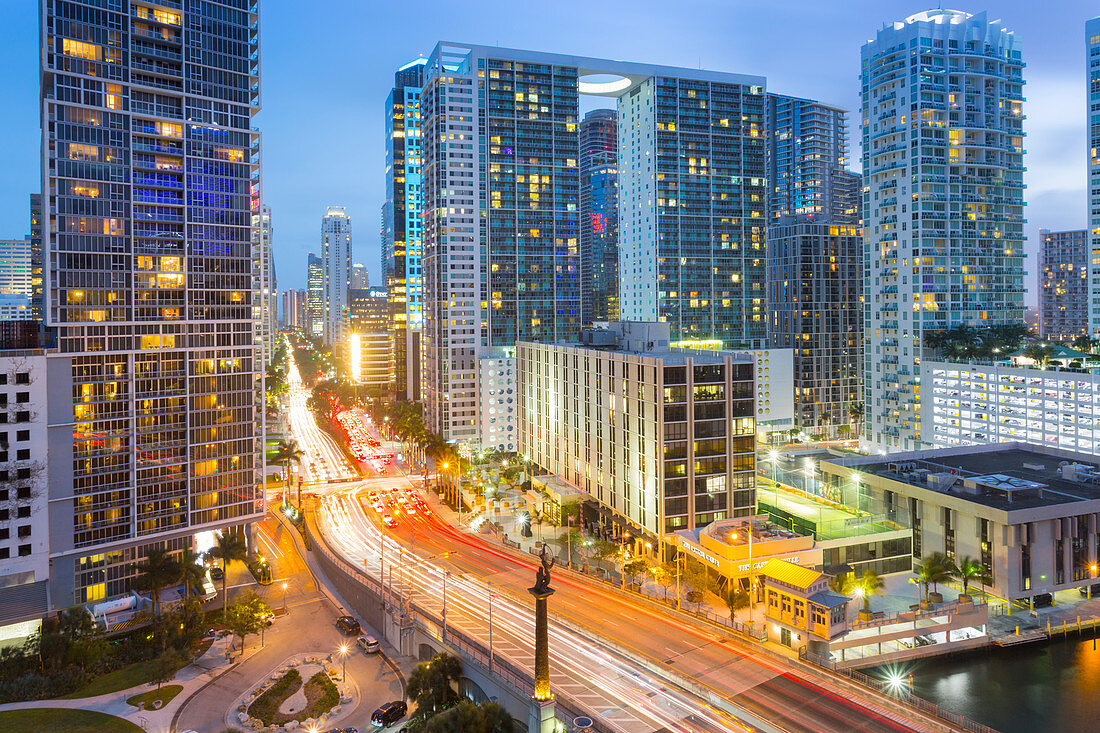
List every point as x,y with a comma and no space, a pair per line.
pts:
344,670
444,635
773,458
491,596
284,597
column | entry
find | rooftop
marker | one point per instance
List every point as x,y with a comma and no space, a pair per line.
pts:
791,574
1005,476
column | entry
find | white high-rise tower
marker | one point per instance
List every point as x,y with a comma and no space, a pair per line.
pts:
336,264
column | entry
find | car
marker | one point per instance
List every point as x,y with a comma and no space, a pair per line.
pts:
367,643
389,714
216,573
344,730
389,521
349,626
1042,600
1084,590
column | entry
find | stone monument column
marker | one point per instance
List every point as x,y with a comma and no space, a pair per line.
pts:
543,713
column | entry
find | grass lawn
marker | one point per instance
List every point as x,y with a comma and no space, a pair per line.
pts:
59,720
165,695
129,676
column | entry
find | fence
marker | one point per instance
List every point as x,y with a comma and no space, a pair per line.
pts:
897,692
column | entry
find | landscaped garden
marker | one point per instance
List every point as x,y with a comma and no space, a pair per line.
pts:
287,699
155,699
63,720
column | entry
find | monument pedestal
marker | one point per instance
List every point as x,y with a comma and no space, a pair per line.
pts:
543,717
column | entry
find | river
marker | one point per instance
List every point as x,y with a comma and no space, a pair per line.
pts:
1035,687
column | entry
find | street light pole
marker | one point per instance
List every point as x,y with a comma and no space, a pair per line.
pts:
445,574
284,597
490,628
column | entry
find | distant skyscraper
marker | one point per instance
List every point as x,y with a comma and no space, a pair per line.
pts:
36,256
315,296
691,244
847,191
815,295
360,278
15,267
150,178
1063,284
807,147
336,257
599,181
293,314
943,170
1092,126
401,228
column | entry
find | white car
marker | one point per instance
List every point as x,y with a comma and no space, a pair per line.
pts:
368,644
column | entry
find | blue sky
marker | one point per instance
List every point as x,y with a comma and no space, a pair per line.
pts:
328,65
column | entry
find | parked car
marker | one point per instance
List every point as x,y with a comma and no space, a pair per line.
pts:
216,573
1084,590
368,644
389,714
349,626
1042,600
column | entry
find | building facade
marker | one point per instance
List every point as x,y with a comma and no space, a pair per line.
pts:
401,228
15,267
315,295
265,286
369,357
942,98
497,399
336,266
662,437
599,225
807,147
1064,284
293,314
150,174
815,305
974,404
360,278
369,311
1092,153
1027,514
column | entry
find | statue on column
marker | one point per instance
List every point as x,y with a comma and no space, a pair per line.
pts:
542,576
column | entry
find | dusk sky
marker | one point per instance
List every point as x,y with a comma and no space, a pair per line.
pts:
328,65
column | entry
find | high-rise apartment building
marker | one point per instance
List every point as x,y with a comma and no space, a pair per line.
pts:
293,314
807,147
599,182
336,266
847,197
815,296
1063,284
150,174
15,267
942,111
36,256
401,230
1092,128
265,304
360,278
500,237
315,295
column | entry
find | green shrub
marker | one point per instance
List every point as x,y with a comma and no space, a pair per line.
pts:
266,706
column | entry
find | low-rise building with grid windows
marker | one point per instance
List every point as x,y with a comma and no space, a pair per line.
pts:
664,438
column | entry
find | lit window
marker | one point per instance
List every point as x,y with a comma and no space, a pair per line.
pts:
80,50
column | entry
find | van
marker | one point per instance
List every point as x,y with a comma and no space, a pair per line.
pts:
368,644
389,714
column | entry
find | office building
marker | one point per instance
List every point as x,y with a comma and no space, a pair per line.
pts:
369,359
815,304
1092,153
369,310
336,267
24,495
401,227
497,397
974,404
1027,514
599,227
807,149
15,267
36,256
942,111
1063,284
266,304
664,438
691,245
16,308
360,278
315,296
293,315
150,177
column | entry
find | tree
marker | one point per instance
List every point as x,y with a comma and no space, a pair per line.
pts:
190,571
941,565
867,585
165,666
430,683
841,584
466,717
855,414
247,615
228,548
634,567
157,571
1084,343
696,579
967,570
931,571
1040,354
736,599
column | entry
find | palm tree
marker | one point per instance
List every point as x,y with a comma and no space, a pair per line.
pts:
287,452
931,571
1040,353
190,572
228,548
855,414
430,683
157,571
966,570
867,585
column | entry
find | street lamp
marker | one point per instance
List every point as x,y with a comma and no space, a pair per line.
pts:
491,597
284,597
344,670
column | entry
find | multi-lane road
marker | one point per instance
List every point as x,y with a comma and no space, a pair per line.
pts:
636,668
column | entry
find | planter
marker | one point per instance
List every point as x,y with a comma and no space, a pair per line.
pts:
964,598
934,597
865,615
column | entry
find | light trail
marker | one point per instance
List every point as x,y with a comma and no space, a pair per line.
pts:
323,460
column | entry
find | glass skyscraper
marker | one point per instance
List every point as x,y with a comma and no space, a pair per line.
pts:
401,266
943,168
599,182
150,172
1092,128
315,296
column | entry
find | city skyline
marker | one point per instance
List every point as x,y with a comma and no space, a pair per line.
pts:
1055,126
